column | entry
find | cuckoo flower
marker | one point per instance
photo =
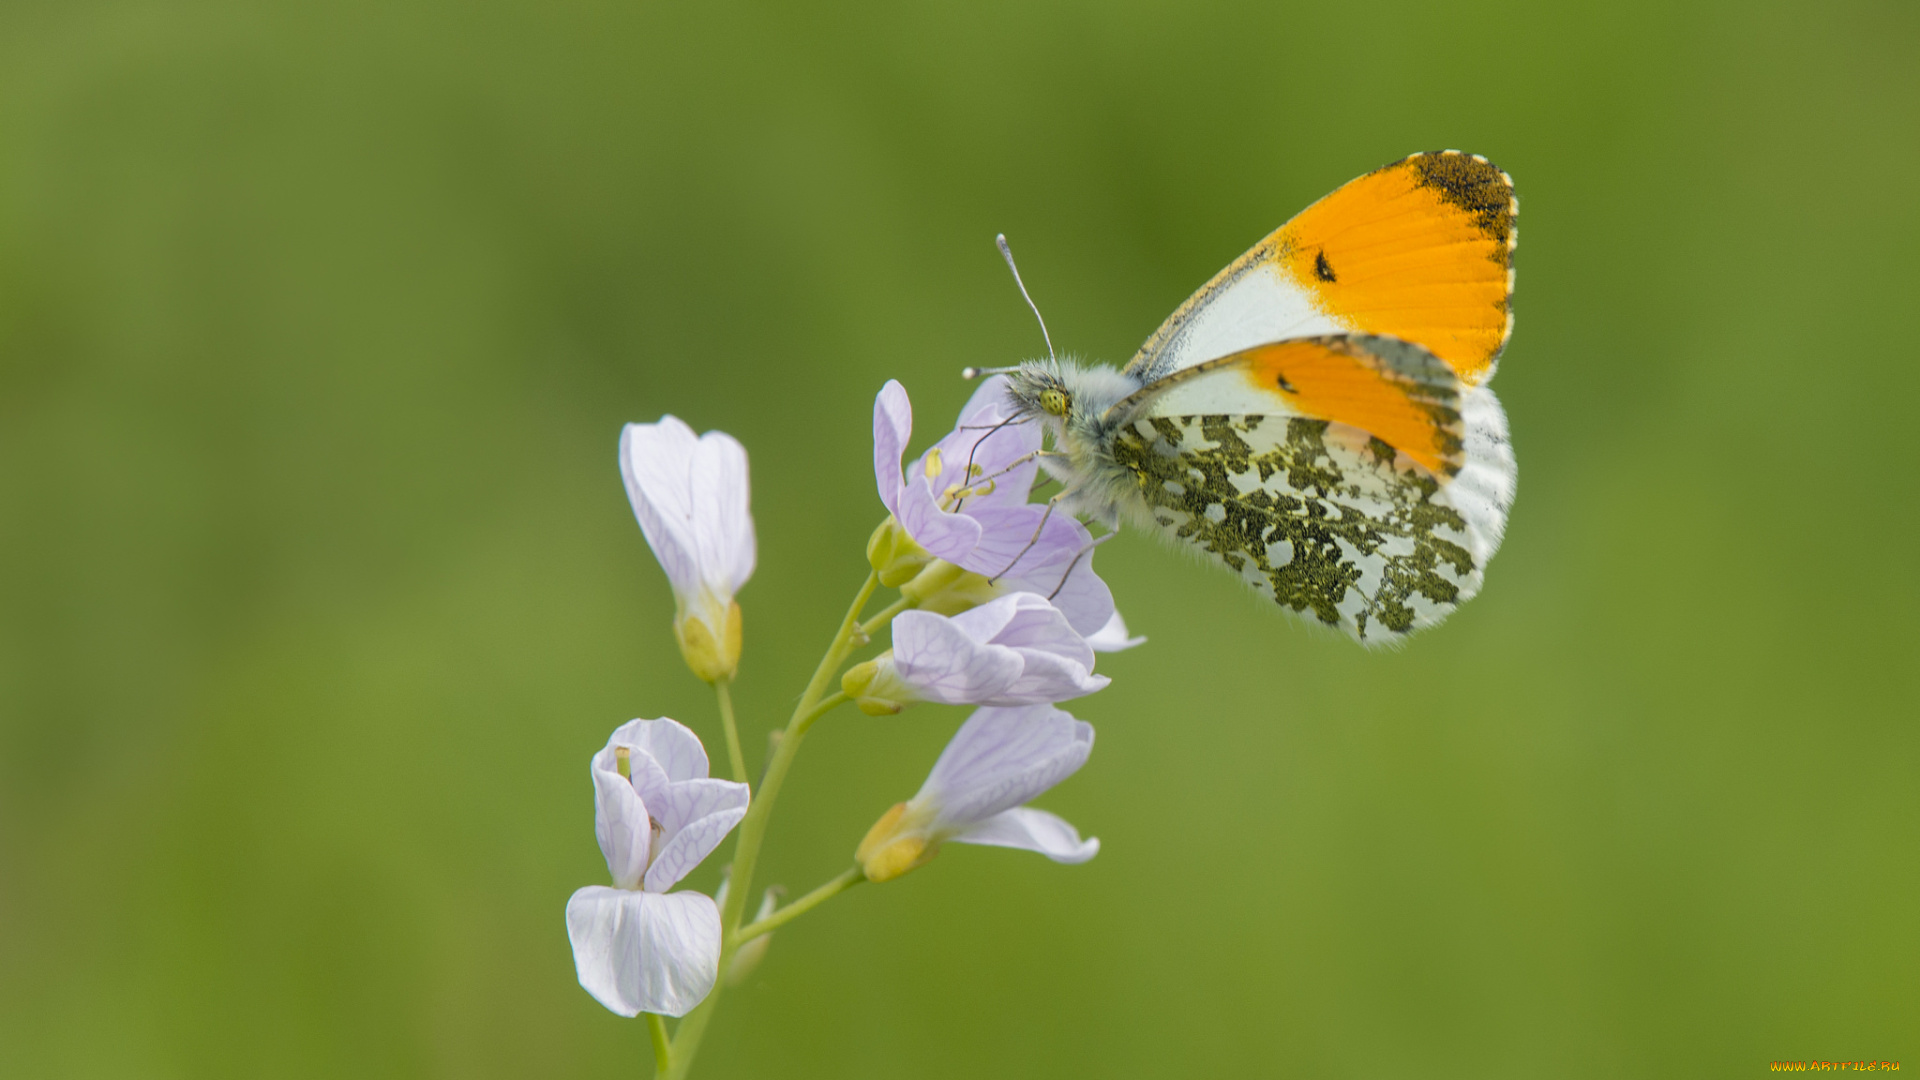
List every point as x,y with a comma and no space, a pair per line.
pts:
690,494
998,760
964,502
1016,650
639,948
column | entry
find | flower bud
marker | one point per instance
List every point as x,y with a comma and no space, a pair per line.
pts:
897,843
895,554
712,655
876,688
946,589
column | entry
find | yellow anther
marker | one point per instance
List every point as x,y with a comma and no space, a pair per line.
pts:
933,463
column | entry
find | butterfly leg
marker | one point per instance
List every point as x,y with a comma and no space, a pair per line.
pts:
1037,530
1084,551
971,483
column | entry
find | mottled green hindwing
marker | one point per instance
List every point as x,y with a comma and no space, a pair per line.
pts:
1324,519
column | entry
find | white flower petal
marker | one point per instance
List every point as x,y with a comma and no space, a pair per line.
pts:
620,824
641,952
1033,830
1113,636
984,623
698,816
722,522
690,495
1080,594
942,662
1048,678
644,775
667,741
655,462
944,535
1037,625
1007,543
892,427
1000,758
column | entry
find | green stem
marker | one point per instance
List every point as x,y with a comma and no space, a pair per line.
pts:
827,705
753,828
853,876
723,689
886,616
662,1046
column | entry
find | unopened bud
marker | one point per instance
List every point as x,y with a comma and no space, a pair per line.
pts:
895,554
875,687
952,594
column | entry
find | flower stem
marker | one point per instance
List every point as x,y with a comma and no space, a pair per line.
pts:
753,828
827,705
662,1046
886,616
853,876
723,689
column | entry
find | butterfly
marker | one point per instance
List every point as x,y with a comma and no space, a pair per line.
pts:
1316,418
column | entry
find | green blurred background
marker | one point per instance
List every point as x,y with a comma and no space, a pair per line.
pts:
318,322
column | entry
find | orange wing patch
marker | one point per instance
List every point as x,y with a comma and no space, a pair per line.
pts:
1335,379
1420,250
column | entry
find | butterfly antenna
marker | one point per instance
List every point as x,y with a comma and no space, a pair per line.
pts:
1006,253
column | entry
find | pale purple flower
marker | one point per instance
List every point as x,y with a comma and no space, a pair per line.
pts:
965,501
1015,650
999,759
637,947
690,495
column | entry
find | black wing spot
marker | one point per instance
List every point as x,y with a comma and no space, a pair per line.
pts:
1284,385
1323,269
1472,184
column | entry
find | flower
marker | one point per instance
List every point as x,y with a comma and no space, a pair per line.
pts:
1113,636
1016,650
690,494
637,947
964,502
998,759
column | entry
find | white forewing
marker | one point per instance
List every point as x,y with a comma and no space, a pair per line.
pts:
1248,304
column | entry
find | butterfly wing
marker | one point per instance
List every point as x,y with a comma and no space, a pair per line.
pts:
1356,480
1421,250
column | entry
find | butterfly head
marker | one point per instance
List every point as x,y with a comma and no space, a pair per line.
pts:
1065,395
1040,388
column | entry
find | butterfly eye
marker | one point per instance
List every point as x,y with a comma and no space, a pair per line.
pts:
1054,402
